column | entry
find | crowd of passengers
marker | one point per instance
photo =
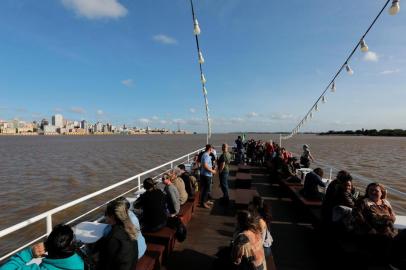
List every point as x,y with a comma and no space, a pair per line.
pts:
367,218
122,243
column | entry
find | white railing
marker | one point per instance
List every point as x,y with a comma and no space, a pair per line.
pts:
48,214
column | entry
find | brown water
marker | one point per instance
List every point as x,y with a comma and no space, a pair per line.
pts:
40,173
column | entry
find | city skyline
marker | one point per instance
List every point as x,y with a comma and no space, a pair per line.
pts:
131,62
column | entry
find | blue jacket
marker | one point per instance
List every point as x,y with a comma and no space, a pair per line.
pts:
19,260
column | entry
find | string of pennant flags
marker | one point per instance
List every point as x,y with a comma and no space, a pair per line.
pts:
393,10
196,32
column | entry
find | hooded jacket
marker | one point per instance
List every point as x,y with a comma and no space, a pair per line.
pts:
19,261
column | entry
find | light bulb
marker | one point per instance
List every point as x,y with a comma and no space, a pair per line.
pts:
203,79
324,99
316,108
349,70
394,9
364,46
311,115
201,58
204,90
333,87
196,29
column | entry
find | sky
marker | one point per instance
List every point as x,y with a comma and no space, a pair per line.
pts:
134,62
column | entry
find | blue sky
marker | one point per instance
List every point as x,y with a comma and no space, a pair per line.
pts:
135,62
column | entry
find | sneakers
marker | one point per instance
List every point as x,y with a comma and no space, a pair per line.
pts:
205,205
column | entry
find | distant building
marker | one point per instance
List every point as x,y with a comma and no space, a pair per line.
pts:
84,125
44,123
57,120
50,130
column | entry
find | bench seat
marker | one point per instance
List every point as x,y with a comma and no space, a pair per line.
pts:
165,237
152,258
306,202
243,180
185,212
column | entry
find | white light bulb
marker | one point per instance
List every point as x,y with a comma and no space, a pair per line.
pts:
333,87
203,79
316,108
364,46
196,29
311,115
394,9
204,90
349,70
324,99
201,58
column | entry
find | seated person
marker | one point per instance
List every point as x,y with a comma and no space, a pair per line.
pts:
153,205
119,248
189,185
374,215
312,182
177,181
172,195
289,170
61,253
248,247
142,246
337,194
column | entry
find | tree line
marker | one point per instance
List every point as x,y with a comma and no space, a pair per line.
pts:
368,132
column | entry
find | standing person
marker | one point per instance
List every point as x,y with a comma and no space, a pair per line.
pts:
306,157
206,175
224,170
119,249
239,145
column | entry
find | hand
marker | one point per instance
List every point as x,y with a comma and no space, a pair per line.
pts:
38,250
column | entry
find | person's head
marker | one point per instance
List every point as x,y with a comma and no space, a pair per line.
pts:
347,186
224,147
305,147
319,172
283,150
208,148
125,201
182,167
59,243
166,179
246,221
148,183
343,176
375,192
117,214
239,137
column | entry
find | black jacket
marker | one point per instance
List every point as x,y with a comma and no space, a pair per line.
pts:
153,205
117,251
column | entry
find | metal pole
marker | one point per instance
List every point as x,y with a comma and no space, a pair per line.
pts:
49,224
280,140
139,182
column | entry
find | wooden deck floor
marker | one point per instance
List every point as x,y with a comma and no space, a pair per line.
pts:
296,245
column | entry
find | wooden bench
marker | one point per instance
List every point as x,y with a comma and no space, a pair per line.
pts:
306,202
244,168
165,237
288,184
185,212
152,258
243,180
242,197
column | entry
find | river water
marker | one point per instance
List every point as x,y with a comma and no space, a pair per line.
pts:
39,173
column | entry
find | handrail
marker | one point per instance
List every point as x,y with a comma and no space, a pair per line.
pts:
48,214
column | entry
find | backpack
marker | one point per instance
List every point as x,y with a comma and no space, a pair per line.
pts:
180,228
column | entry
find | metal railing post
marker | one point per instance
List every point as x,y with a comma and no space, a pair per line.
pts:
49,224
188,159
171,165
139,182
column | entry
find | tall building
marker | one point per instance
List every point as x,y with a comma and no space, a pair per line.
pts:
57,120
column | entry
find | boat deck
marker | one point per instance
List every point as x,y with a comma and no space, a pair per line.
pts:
296,245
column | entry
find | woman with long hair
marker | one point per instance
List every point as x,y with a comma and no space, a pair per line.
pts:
119,248
248,250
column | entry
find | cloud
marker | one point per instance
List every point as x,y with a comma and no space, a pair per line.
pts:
178,121
57,110
77,110
163,122
96,9
192,110
155,117
252,114
282,116
371,57
164,39
128,82
387,72
99,112
144,120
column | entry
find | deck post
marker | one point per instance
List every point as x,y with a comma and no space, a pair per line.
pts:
139,182
49,224
280,140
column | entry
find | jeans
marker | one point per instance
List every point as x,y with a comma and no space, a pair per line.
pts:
205,182
224,183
